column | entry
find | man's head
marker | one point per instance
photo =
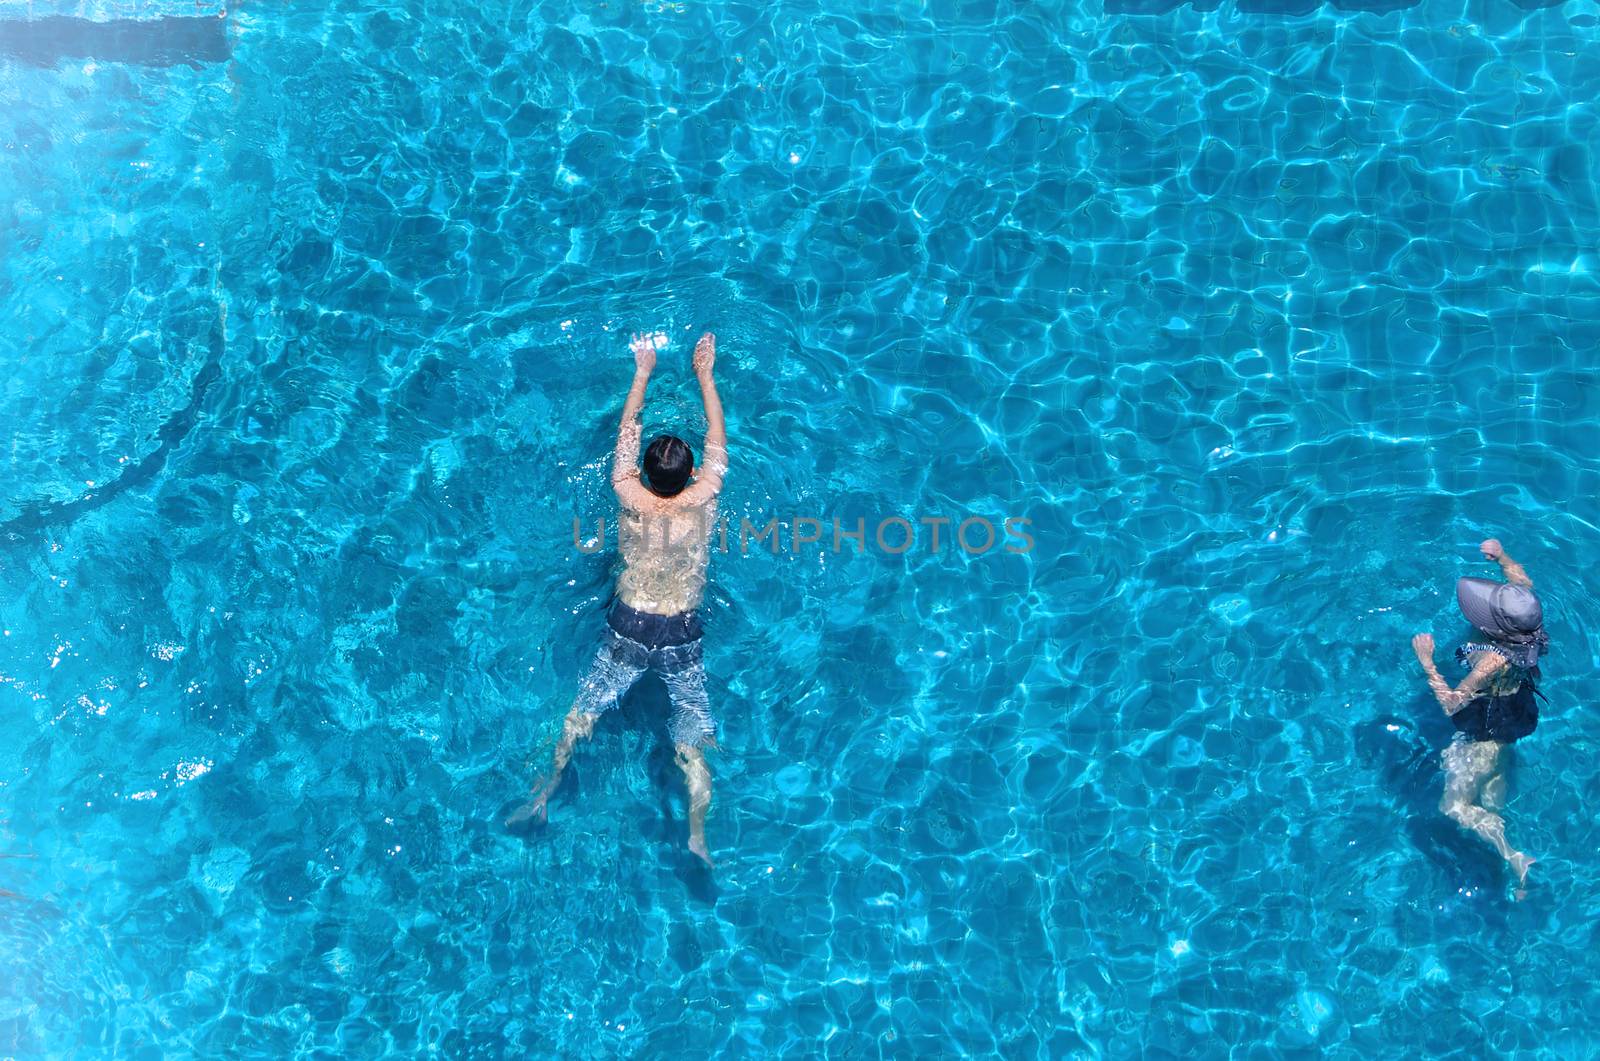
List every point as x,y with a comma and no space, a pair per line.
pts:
668,463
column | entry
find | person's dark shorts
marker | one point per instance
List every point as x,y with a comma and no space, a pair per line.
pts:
635,642
654,631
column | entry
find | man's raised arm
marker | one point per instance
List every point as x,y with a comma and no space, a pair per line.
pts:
714,454
625,465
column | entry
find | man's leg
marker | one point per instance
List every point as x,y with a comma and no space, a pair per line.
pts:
617,665
692,729
697,778
578,726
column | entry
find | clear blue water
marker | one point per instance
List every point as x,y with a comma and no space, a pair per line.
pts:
311,357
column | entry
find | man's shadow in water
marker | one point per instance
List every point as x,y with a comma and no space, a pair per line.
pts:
644,708
189,40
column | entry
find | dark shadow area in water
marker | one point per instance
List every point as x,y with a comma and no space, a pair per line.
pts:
1406,758
168,41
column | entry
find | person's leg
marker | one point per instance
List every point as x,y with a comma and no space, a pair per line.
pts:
578,726
1494,792
617,665
1493,800
692,729
697,778
1470,767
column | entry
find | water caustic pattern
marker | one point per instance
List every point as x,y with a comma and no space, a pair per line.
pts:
313,353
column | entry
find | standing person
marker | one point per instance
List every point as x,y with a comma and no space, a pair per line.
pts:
1494,705
667,513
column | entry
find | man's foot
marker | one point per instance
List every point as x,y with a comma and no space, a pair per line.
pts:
532,812
697,844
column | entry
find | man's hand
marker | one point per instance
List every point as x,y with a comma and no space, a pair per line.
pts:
1492,550
705,355
1423,645
643,346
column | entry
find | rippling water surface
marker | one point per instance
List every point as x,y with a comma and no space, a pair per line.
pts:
312,355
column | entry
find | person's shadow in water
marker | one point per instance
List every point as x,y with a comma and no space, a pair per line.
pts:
1406,750
644,708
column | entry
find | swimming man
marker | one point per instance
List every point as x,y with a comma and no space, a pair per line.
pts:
666,517
1494,705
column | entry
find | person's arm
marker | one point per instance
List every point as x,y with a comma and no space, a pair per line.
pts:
625,463
1452,700
1493,550
714,452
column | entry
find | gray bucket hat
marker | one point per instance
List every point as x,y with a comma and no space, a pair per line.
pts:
1509,614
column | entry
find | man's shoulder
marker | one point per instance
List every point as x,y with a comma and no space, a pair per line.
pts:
632,496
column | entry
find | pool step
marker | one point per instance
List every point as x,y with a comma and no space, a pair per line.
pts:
142,33
111,10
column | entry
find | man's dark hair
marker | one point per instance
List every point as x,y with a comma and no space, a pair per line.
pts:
668,461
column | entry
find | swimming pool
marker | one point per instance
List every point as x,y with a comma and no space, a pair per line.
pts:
314,353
